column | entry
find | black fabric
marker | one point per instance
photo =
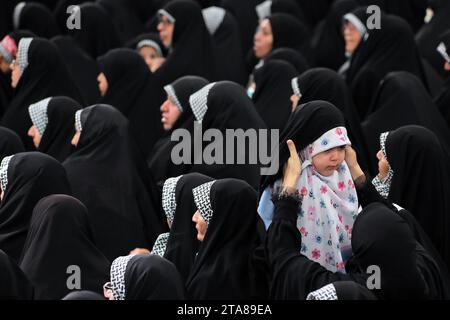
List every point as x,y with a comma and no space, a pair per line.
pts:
442,100
307,123
104,176
10,143
314,11
84,295
229,107
60,236
160,163
413,11
349,290
182,244
390,48
402,100
31,176
421,181
150,277
191,54
81,66
291,33
292,56
98,34
46,75
380,237
221,268
15,284
38,19
124,16
60,128
228,53
245,14
128,76
428,37
273,92
328,43
289,7
325,84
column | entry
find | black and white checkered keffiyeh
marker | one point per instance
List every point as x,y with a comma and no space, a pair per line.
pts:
171,18
78,125
169,203
38,114
22,53
4,172
295,87
383,185
199,100
117,275
443,50
159,248
325,293
171,93
202,200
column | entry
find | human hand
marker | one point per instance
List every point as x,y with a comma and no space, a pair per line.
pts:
293,167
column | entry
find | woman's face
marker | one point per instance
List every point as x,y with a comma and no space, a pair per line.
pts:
165,29
102,84
383,165
15,74
169,113
352,37
447,66
151,56
327,162
35,135
263,40
76,138
200,225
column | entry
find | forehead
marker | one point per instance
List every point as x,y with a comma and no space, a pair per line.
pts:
265,24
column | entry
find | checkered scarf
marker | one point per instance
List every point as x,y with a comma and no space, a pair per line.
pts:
38,114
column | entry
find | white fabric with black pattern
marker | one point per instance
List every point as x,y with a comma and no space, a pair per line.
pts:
295,87
199,100
17,13
162,12
159,248
150,43
383,185
169,203
202,200
38,114
117,275
442,49
78,125
4,172
22,53
171,93
325,293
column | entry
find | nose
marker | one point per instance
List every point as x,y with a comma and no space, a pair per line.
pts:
194,217
160,26
164,106
31,132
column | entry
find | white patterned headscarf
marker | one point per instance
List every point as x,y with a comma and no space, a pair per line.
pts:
383,185
78,125
22,53
38,114
169,203
171,93
117,276
159,248
4,172
329,206
202,199
327,292
199,102
295,87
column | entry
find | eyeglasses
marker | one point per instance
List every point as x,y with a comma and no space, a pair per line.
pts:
163,20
